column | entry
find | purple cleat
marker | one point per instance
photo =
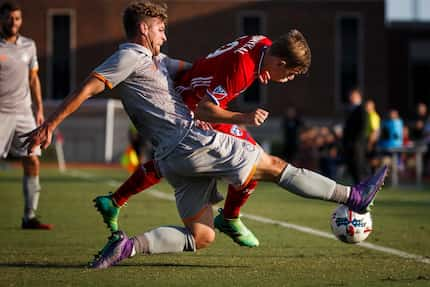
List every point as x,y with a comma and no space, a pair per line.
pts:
119,247
362,194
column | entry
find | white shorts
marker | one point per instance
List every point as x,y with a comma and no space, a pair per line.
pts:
199,160
11,127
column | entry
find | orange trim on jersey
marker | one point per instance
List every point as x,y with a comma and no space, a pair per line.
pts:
197,216
103,79
250,175
181,66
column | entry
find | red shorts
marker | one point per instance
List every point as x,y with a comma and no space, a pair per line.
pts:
234,130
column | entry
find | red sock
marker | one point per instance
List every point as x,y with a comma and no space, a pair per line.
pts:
236,198
145,176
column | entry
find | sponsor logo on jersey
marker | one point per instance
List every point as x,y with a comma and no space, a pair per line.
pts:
235,130
219,93
249,147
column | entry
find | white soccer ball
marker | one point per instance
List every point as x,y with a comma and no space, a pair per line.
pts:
349,226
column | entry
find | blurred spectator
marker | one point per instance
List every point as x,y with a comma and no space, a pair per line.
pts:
406,142
391,131
137,151
373,125
391,137
418,123
140,144
354,137
308,150
329,155
292,125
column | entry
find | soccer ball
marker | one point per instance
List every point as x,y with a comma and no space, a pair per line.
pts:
349,226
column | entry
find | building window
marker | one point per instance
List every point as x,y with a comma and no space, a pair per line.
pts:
419,70
348,56
61,45
407,11
252,23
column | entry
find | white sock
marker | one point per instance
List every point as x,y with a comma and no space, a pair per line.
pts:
310,184
31,190
165,239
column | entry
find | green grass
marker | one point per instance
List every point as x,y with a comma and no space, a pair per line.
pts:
285,258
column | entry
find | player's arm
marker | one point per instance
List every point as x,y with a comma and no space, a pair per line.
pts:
43,134
209,111
36,95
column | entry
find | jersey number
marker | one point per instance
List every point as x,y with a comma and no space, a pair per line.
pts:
222,50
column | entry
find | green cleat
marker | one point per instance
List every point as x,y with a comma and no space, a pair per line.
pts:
109,210
236,230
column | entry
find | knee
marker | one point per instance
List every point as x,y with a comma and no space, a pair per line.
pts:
204,238
277,163
271,167
31,165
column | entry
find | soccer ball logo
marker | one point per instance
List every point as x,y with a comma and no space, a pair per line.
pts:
349,226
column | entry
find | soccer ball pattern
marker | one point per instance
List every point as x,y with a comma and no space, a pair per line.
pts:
349,226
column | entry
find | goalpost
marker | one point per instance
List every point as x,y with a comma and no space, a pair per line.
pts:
116,128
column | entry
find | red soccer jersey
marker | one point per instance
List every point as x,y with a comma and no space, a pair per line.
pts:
225,73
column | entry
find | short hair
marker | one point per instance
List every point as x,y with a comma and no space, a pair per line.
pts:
8,7
356,89
294,49
137,11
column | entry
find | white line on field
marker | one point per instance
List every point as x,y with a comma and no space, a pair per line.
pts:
261,219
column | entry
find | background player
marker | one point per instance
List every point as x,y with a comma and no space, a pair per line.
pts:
19,86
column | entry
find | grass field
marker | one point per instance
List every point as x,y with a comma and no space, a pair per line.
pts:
286,257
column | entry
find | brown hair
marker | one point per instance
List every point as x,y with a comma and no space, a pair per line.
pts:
293,48
8,7
137,11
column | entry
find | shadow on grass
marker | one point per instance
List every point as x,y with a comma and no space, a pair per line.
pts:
41,265
38,265
176,265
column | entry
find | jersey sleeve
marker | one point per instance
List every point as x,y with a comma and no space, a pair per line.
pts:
33,63
174,66
117,68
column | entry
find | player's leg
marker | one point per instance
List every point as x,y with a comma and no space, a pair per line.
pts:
236,196
194,206
228,220
309,184
109,206
30,163
196,234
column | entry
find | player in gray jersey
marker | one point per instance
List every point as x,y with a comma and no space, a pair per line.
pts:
190,158
19,87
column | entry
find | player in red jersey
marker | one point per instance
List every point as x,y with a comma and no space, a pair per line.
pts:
207,88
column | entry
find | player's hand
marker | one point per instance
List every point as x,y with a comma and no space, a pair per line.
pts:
40,118
40,136
203,125
257,117
264,77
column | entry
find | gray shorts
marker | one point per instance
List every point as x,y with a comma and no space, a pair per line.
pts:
11,127
202,158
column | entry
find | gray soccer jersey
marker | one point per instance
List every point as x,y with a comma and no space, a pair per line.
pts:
144,91
16,60
191,159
